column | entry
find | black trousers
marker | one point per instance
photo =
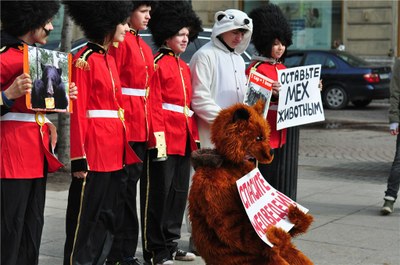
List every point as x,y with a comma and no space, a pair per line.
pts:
126,238
22,219
272,172
282,172
163,207
94,214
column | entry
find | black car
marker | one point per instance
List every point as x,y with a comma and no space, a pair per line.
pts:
345,77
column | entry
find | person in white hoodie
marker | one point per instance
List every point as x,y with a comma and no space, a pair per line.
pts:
218,74
218,69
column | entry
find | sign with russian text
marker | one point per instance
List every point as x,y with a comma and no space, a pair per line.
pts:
299,97
264,205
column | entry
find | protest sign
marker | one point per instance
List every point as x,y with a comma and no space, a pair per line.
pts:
299,97
264,205
258,87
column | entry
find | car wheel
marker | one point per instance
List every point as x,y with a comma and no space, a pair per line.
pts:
361,103
335,97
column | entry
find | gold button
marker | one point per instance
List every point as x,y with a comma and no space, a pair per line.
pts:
121,115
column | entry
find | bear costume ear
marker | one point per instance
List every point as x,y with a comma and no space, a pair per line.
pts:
241,114
259,106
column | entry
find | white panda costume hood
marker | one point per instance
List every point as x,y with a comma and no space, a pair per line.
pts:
218,73
229,20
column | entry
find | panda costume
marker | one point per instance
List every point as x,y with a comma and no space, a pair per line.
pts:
218,71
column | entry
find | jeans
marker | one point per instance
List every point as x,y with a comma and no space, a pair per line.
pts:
393,181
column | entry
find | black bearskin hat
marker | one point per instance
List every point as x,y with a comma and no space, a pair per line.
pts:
98,19
21,17
137,4
269,24
170,17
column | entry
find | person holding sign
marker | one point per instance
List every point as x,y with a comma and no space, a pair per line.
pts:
26,135
236,215
271,36
218,69
99,146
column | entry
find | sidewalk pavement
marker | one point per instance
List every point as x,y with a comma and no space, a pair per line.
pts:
342,179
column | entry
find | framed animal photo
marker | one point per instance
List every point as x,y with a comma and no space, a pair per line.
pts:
51,75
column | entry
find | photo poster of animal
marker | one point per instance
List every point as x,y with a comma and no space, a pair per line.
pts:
51,75
265,206
258,87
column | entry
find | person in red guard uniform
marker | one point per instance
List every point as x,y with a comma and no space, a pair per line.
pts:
134,59
27,137
173,25
99,146
271,36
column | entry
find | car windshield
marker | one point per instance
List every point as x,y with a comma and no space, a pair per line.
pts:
352,60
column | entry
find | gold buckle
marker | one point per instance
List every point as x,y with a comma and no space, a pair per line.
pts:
186,111
40,118
121,115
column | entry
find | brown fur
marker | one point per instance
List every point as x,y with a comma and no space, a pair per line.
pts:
221,229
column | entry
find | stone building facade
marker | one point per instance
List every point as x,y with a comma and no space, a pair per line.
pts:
369,29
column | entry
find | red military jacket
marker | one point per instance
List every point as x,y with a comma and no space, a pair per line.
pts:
23,147
277,138
173,92
134,59
98,136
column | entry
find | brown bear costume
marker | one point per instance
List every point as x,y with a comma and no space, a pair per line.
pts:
221,229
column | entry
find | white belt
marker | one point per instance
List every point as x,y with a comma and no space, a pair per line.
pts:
138,92
102,113
38,117
172,107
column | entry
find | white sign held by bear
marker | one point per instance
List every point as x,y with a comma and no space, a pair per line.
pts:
265,206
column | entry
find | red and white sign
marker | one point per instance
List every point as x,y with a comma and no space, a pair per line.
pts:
258,87
265,206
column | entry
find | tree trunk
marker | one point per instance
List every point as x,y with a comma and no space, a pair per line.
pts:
63,142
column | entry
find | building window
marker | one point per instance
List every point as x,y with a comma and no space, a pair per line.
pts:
315,24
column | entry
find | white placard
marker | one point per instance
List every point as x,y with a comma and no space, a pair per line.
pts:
264,205
299,97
